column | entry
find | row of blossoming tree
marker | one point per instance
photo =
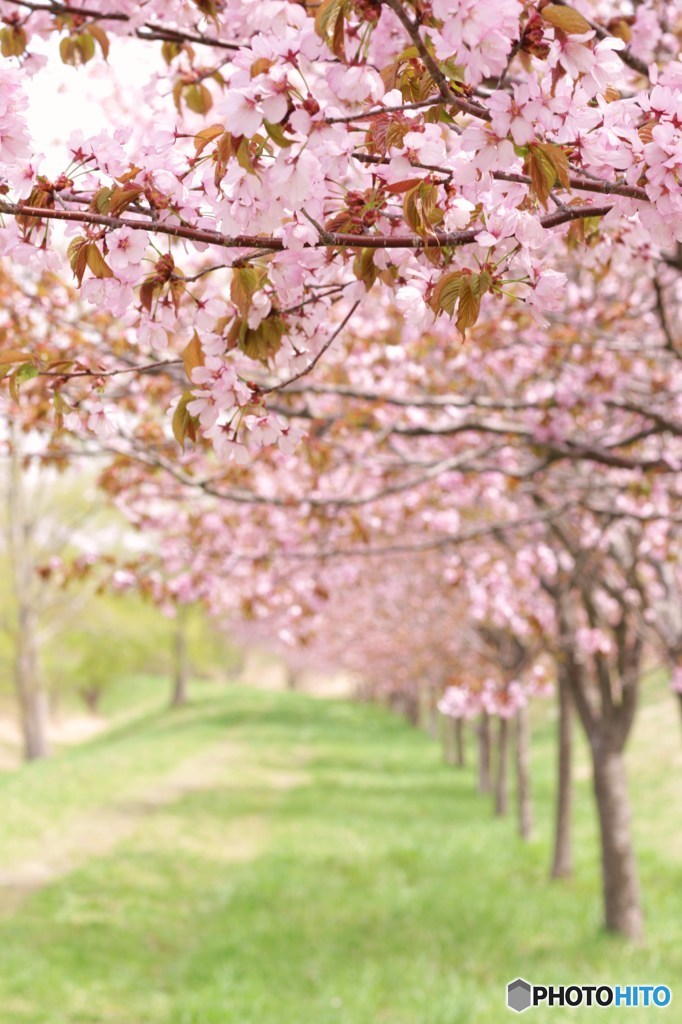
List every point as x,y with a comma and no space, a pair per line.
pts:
373,281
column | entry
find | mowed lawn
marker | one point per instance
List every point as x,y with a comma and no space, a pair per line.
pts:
264,858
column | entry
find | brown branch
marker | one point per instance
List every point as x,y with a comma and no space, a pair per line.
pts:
313,363
147,368
580,184
436,72
627,56
452,239
407,548
150,31
376,112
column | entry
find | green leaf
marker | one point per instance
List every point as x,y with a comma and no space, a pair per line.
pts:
264,341
276,133
198,98
12,41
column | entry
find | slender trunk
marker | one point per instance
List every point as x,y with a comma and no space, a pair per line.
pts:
31,697
523,792
460,752
679,700
501,784
33,706
423,712
562,859
447,725
291,679
605,695
433,723
484,753
428,713
181,677
91,697
622,906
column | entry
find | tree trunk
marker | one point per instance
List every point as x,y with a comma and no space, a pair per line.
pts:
181,679
501,785
622,906
33,702
447,725
291,679
31,697
484,753
562,859
428,713
460,752
679,700
523,793
91,697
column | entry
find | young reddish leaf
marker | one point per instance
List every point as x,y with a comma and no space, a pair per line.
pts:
566,19
542,173
469,306
558,159
364,267
245,283
446,293
97,263
325,19
98,33
183,423
192,355
206,135
122,197
9,356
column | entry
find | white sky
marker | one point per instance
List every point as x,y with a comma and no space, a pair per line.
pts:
63,99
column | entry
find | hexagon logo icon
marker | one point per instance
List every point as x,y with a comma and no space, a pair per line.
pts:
518,995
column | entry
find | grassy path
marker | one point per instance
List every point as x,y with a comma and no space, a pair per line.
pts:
270,859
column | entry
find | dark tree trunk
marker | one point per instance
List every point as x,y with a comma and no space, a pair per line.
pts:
181,661
622,905
501,783
523,791
562,859
484,753
460,750
91,697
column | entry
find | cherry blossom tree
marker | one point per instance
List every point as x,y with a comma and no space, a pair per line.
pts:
289,162
406,276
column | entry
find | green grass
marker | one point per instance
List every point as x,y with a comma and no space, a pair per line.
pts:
329,870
